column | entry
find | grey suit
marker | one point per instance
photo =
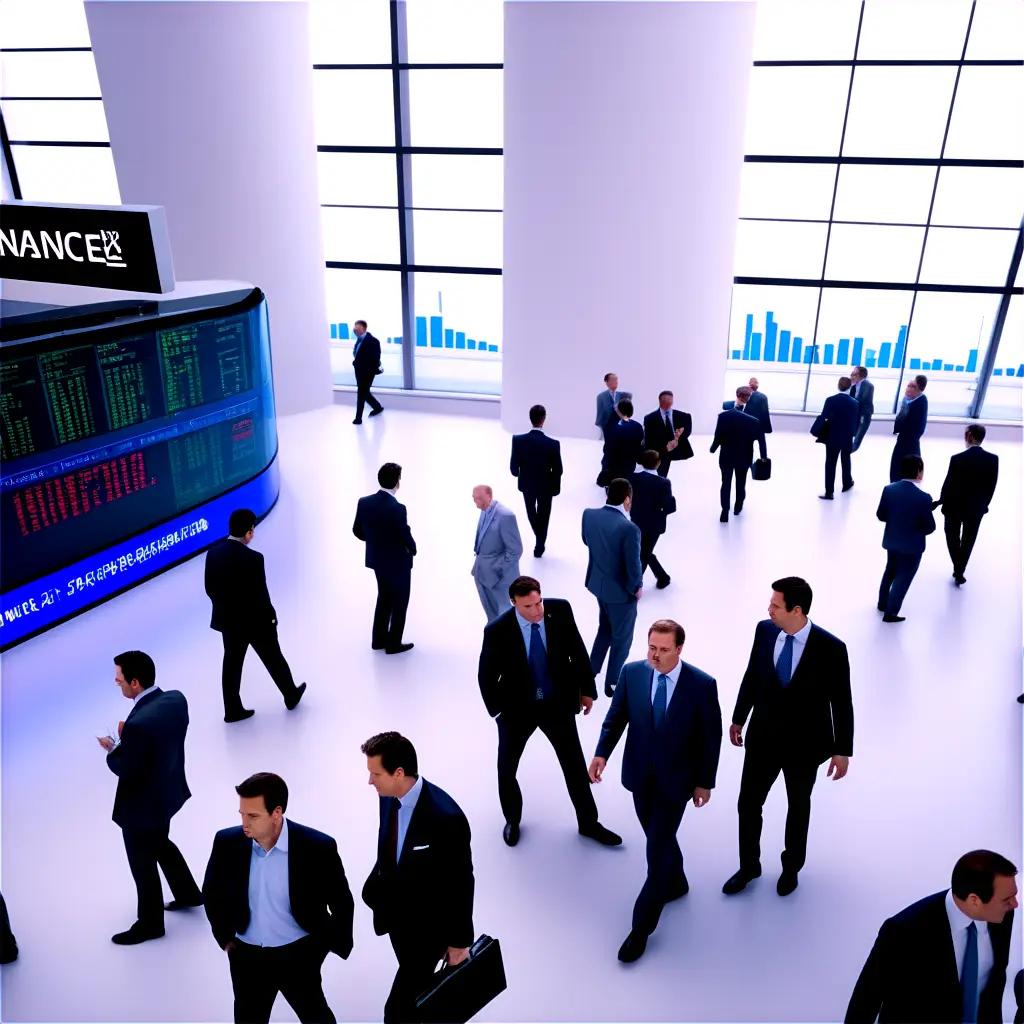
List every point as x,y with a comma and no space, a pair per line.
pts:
497,560
864,392
606,407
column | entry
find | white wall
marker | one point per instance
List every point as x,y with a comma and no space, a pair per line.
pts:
210,111
623,150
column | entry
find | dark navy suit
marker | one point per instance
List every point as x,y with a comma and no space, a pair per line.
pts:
735,434
366,364
965,496
911,422
623,446
652,504
536,463
657,436
836,429
864,392
906,511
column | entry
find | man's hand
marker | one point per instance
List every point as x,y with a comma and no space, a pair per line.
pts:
456,955
839,765
672,445
639,593
678,432
106,743
701,797
596,769
586,703
736,735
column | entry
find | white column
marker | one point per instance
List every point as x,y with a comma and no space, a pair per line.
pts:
210,111
623,149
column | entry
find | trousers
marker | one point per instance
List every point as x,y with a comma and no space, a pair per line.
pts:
259,973
391,608
417,958
647,556
900,570
740,473
538,511
149,850
265,643
364,396
660,817
615,623
961,533
833,454
862,429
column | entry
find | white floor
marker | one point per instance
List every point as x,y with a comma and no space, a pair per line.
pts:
936,769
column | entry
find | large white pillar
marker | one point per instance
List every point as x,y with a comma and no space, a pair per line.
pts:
210,111
623,149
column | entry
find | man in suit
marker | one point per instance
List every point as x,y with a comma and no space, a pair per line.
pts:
757,406
614,576
944,958
382,523
421,887
864,391
667,431
537,464
623,443
797,684
8,943
608,399
675,736
965,496
278,902
910,423
148,758
652,504
535,674
236,583
906,510
735,434
366,364
498,548
835,428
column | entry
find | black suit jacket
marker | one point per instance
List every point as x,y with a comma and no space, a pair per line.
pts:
657,435
910,976
381,522
811,718
970,482
318,891
427,898
537,462
236,583
366,361
149,762
735,434
652,502
623,446
837,423
506,682
913,424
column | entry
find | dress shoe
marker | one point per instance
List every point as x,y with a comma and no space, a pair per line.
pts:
737,508
826,497
400,649
357,420
633,948
239,716
609,690
848,487
538,551
510,833
959,580
787,883
184,904
662,584
376,412
377,647
136,934
894,618
677,892
293,703
724,517
602,835
1020,699
739,881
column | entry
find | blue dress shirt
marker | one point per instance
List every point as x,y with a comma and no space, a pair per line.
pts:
406,805
670,686
270,909
524,628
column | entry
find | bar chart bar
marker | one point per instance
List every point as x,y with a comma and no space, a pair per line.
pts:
736,353
794,356
884,352
492,348
843,352
449,338
829,353
770,329
915,364
421,332
869,359
972,361
858,350
334,331
901,344
755,345
471,343
746,335
783,346
436,332
460,339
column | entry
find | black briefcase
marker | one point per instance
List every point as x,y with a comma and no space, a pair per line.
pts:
457,994
761,469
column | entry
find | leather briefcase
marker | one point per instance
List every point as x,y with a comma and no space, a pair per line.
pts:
457,994
761,469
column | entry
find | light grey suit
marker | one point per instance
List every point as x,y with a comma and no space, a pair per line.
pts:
864,392
497,559
606,407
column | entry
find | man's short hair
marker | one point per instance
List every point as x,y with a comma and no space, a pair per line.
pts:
744,392
538,414
609,375
976,432
271,787
389,475
363,322
523,586
618,491
394,751
862,371
911,467
137,665
241,521
668,626
625,406
976,872
662,394
795,591
650,459
921,381
844,383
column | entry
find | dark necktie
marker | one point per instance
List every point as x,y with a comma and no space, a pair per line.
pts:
539,663
853,391
668,421
784,666
393,832
969,976
660,700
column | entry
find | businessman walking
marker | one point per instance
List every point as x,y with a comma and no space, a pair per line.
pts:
835,428
537,465
667,431
735,434
498,548
652,504
864,391
366,364
607,400
910,424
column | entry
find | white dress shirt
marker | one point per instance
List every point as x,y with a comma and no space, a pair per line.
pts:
670,686
620,508
799,643
958,922
406,805
270,909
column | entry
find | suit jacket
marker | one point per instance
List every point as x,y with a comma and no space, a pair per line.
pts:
970,482
623,446
837,423
366,361
657,435
381,521
906,511
318,891
537,463
236,582
735,434
652,502
864,393
613,564
911,423
427,898
757,406
149,762
911,978
506,680
812,717
683,754
606,408
497,557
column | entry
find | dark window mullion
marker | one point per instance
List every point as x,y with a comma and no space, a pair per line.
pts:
8,155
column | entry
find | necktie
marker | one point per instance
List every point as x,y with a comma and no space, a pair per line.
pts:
784,666
393,832
539,663
969,976
479,531
359,341
660,700
853,391
615,398
668,421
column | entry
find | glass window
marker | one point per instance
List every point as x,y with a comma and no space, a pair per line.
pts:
56,121
458,332
884,194
1003,398
979,197
898,111
806,30
360,235
62,23
358,179
796,111
50,74
354,108
910,30
456,108
986,121
996,31
447,239
61,174
455,31
350,32
376,297
858,252
963,256
780,249
787,190
462,182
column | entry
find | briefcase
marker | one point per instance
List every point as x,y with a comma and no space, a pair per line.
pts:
456,994
761,469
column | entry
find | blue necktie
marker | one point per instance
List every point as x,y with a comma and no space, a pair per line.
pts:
660,700
969,976
539,663
784,666
479,531
359,341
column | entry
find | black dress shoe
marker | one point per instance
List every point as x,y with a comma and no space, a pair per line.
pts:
136,934
848,487
679,891
737,508
959,580
826,497
510,834
400,649
376,412
538,552
787,883
239,716
377,647
293,703
602,835
633,948
894,618
184,904
739,881
662,584
357,421
724,517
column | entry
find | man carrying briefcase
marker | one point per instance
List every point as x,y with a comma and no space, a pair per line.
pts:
458,994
